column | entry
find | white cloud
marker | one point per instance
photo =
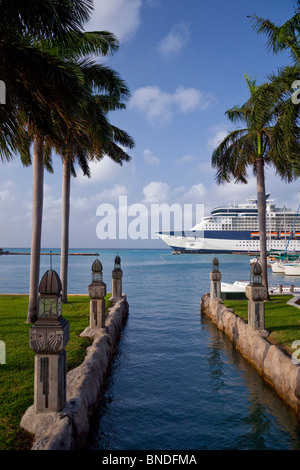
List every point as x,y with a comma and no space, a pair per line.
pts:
175,40
159,106
185,159
150,158
218,134
120,17
102,171
156,192
195,194
110,194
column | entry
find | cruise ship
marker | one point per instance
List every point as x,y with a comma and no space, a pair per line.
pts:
234,229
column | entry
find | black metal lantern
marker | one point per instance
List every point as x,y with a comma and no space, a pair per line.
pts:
117,264
215,264
256,274
50,296
97,275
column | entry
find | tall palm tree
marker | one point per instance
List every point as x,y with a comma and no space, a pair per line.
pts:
260,142
100,138
41,88
91,133
284,37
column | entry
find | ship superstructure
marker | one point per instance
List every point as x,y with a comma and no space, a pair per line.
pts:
235,229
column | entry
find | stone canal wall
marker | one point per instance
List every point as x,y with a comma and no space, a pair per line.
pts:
69,428
269,360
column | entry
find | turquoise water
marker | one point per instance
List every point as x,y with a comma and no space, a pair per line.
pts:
176,381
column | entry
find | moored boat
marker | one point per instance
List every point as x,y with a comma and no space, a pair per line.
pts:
292,269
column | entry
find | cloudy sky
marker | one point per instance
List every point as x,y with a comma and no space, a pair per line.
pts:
184,62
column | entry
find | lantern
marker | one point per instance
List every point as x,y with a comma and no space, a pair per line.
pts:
117,264
256,274
50,296
215,264
97,275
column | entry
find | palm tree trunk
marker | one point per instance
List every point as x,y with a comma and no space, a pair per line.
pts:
37,214
66,183
261,206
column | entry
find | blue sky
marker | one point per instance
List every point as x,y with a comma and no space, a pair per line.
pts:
184,62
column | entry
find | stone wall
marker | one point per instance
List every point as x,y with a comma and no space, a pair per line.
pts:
69,428
269,360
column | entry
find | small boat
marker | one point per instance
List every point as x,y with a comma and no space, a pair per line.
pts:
240,286
278,267
292,270
237,286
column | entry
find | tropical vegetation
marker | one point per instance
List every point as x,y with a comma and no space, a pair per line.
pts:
258,143
53,85
270,133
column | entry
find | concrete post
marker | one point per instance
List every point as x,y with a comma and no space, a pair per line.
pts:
215,280
48,338
256,294
117,275
97,292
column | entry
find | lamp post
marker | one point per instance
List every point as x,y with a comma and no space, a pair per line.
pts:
97,292
256,294
48,338
215,280
117,275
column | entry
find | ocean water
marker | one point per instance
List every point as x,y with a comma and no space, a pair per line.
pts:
176,382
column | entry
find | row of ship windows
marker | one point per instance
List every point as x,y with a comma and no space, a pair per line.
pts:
242,227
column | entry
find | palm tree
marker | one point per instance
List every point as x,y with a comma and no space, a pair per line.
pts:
100,138
47,90
260,142
283,37
41,88
91,134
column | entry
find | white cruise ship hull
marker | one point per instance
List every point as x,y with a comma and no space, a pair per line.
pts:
221,242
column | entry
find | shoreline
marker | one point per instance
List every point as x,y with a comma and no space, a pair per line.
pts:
273,364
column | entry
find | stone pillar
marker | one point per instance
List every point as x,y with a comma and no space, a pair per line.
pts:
117,275
48,338
97,292
256,294
215,280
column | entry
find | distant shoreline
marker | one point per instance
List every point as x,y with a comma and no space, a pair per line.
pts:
28,253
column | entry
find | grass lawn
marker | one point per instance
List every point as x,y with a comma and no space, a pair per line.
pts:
281,320
17,374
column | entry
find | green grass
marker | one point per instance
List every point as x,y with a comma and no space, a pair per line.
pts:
17,375
281,320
